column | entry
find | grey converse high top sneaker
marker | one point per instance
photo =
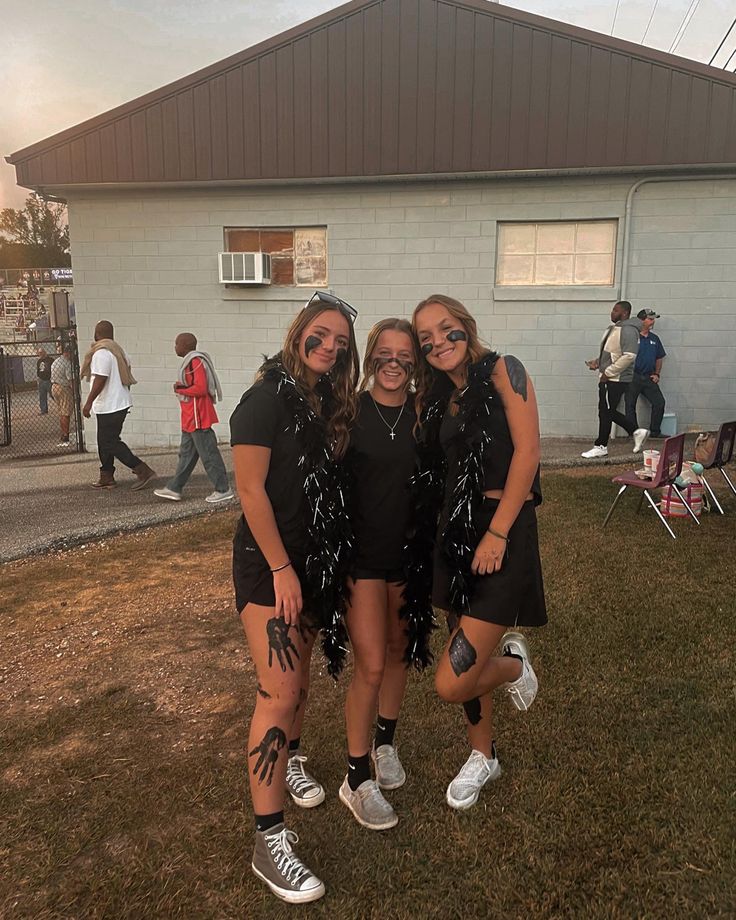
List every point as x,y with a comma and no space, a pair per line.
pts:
276,863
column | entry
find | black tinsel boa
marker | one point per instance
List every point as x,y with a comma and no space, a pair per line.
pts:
457,539
328,527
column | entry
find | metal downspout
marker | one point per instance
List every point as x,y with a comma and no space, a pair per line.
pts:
626,245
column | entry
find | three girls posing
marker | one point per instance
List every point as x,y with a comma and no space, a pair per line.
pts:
292,552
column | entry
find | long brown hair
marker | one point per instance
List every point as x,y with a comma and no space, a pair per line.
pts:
392,323
343,376
425,376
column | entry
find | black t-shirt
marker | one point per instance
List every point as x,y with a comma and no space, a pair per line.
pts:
380,470
262,418
43,368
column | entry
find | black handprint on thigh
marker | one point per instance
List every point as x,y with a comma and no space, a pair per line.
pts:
268,753
279,641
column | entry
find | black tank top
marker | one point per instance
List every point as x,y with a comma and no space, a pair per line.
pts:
497,456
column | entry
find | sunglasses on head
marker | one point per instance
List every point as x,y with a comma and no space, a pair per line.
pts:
324,297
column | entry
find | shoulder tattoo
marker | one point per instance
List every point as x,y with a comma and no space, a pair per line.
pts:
517,375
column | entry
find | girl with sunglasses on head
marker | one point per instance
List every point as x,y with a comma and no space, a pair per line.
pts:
481,411
287,433
381,461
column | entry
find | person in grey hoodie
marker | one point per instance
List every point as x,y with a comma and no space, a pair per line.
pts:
615,364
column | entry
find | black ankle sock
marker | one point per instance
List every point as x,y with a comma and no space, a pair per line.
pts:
294,746
385,729
359,770
266,822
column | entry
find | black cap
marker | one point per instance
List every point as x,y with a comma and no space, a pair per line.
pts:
647,314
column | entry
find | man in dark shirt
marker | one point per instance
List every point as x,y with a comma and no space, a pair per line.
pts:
43,373
646,374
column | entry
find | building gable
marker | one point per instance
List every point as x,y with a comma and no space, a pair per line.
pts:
382,88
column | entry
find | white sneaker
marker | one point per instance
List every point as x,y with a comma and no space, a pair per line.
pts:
389,772
302,786
168,493
524,689
640,439
215,497
477,770
598,451
368,805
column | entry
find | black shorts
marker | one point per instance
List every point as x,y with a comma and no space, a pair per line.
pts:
252,575
513,596
393,576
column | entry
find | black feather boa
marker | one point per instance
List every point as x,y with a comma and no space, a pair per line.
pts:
457,539
329,532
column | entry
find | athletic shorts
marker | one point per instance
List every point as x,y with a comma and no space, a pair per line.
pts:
252,576
395,576
513,596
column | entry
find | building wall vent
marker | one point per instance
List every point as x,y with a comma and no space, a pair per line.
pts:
244,267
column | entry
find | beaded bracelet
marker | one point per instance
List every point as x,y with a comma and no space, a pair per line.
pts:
495,533
281,567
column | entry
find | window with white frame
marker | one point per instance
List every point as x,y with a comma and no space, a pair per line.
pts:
298,254
556,253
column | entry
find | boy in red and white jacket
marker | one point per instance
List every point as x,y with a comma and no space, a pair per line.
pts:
197,389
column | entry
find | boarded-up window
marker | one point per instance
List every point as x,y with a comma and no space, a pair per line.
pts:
557,253
298,254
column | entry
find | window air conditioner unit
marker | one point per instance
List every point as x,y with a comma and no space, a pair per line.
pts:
244,268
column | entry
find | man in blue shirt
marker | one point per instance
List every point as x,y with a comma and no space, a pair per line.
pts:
646,374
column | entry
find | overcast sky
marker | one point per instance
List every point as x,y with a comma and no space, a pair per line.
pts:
65,62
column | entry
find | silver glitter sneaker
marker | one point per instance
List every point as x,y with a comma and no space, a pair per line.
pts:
523,690
276,864
477,770
389,772
368,806
301,786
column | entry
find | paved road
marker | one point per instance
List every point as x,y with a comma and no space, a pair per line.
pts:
48,503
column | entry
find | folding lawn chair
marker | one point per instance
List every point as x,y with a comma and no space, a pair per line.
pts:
721,455
668,469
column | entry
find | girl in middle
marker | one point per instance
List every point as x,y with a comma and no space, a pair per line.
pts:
381,460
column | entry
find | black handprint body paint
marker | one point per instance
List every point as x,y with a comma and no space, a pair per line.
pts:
263,693
517,375
462,654
472,710
268,753
279,641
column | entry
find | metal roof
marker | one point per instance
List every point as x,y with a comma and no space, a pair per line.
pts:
406,88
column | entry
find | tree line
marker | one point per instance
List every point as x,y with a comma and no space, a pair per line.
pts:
35,236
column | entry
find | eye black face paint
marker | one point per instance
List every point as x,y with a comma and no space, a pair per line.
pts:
406,366
517,375
268,753
472,710
427,348
310,343
462,654
457,335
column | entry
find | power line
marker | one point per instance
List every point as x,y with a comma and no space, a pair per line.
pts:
615,15
651,17
684,25
729,59
723,42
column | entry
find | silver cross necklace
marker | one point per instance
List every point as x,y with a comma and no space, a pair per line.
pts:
391,428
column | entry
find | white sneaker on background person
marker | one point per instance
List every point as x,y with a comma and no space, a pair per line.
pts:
215,497
640,439
168,493
598,451
477,770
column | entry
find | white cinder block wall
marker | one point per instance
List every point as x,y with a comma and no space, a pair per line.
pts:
148,262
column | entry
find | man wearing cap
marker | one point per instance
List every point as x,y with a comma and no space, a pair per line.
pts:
646,374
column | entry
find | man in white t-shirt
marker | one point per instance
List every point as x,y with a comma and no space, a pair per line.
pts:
109,398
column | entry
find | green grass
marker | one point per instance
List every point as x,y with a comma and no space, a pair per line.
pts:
123,789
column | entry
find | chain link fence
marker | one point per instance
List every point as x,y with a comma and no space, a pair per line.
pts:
39,416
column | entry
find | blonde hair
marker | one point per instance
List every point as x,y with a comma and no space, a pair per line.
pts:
476,348
343,376
392,323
